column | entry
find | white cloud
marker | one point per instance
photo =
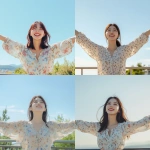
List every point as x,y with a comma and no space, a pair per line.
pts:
17,111
148,48
12,108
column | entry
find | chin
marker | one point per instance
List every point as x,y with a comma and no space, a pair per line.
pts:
37,38
112,39
112,113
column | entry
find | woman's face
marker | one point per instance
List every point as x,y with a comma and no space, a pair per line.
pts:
37,32
38,105
112,33
112,107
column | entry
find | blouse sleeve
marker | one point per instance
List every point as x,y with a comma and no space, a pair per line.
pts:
92,49
13,48
61,130
137,126
62,48
88,127
133,47
13,130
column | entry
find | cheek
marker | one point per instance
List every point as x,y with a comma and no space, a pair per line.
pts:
107,35
117,35
31,32
117,108
42,32
106,108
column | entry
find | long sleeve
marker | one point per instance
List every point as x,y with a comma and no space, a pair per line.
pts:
13,48
87,127
137,126
92,49
13,130
62,48
61,130
133,47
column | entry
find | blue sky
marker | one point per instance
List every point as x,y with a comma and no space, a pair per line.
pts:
17,17
92,16
93,91
17,91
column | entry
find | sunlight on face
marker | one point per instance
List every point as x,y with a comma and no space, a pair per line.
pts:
112,33
38,105
112,107
37,32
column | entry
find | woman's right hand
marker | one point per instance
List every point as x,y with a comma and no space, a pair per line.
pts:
76,32
2,38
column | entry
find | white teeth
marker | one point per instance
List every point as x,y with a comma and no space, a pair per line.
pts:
36,34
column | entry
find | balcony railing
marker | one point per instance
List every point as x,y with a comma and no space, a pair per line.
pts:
146,69
14,147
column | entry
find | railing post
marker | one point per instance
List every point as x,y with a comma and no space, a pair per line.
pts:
130,71
81,71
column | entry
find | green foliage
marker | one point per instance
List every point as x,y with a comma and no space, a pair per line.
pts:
67,68
5,143
137,71
20,71
60,119
4,116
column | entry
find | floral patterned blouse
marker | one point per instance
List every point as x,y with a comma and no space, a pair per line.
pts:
111,64
116,139
45,61
30,139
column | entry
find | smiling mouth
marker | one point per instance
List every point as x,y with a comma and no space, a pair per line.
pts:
37,34
39,106
111,35
111,109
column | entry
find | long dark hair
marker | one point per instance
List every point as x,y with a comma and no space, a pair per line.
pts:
121,117
44,42
118,43
30,113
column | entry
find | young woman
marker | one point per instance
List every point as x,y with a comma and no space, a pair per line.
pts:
37,133
37,57
111,60
113,128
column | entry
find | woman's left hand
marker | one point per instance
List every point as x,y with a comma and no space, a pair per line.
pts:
147,33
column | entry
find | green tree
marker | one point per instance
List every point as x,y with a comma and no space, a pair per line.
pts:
67,68
4,117
20,71
137,71
71,136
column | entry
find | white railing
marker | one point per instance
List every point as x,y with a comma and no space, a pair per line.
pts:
146,69
15,147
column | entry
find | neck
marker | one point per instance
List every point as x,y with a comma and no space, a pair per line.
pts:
37,117
112,120
37,44
112,45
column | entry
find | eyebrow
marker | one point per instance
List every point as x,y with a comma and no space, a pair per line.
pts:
115,103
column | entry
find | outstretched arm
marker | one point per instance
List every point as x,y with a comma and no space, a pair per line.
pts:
11,129
63,48
13,48
147,33
61,129
2,38
134,46
136,126
92,49
87,127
